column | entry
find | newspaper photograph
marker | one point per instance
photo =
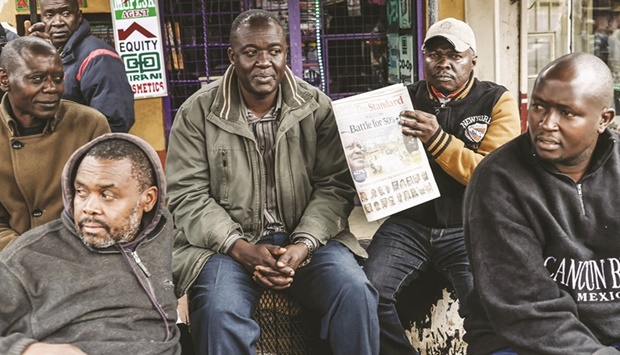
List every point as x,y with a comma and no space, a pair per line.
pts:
390,170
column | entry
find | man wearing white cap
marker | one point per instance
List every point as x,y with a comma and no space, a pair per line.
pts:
459,119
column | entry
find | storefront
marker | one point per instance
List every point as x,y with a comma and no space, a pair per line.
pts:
558,27
338,46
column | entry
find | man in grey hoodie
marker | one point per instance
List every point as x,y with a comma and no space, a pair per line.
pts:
98,280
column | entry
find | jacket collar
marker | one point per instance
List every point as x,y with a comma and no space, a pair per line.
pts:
229,106
67,52
459,95
7,117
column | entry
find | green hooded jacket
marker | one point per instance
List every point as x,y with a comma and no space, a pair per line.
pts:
216,176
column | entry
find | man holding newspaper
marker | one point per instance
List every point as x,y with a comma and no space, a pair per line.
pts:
459,119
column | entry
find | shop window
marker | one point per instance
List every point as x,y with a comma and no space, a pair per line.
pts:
548,24
597,30
339,46
355,47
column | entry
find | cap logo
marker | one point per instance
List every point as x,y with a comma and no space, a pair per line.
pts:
446,25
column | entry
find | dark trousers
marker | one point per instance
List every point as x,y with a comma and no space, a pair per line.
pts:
400,250
224,298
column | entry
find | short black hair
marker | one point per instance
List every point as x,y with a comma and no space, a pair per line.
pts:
119,149
254,17
13,52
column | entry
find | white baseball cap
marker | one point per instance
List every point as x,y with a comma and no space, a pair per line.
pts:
457,32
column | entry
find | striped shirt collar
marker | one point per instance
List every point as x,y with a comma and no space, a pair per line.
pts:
273,114
229,98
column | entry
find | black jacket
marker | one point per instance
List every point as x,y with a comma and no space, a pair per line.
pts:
95,76
545,253
480,119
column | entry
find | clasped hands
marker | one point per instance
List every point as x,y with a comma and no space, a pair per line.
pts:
271,266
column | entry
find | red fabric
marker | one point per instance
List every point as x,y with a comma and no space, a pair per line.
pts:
92,56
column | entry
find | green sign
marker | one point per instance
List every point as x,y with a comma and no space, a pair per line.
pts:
138,40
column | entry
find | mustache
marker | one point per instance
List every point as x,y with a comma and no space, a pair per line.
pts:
545,137
443,73
93,220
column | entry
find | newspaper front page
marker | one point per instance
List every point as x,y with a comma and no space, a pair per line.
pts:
390,170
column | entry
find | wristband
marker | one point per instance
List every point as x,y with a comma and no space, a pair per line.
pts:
308,244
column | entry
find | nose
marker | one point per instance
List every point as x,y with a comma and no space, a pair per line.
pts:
91,205
50,86
443,61
549,121
263,58
56,20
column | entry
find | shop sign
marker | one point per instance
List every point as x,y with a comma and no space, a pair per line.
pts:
406,59
138,40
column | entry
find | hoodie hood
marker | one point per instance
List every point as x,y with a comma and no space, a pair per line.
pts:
149,219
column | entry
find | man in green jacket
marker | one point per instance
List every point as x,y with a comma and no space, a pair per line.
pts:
260,193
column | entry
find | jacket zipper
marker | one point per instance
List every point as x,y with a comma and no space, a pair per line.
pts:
150,292
580,192
140,264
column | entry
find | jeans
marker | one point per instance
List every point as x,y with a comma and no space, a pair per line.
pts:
399,251
224,297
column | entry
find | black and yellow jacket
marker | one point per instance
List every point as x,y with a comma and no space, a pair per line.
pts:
478,120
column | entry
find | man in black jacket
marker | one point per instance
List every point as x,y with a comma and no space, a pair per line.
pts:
94,73
459,119
541,223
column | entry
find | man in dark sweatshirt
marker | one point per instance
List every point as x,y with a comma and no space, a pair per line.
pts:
99,279
541,223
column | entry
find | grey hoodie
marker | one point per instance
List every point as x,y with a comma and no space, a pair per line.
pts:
117,300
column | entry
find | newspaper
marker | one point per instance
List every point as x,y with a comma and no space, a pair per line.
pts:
390,170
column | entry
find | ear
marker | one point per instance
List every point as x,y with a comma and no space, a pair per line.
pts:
474,58
4,80
149,198
231,56
79,17
606,117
